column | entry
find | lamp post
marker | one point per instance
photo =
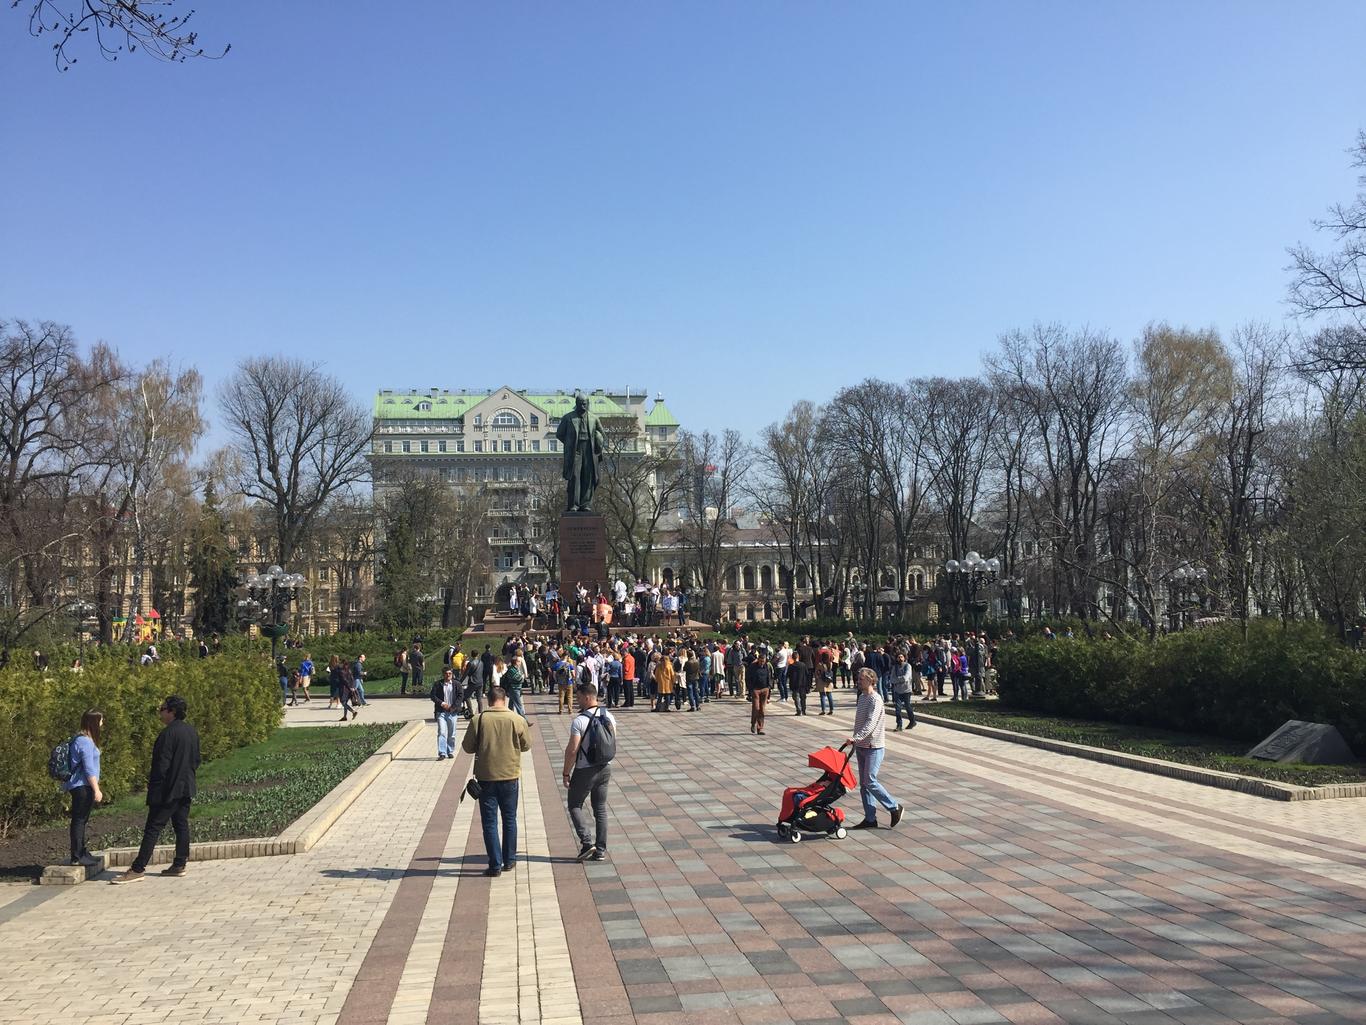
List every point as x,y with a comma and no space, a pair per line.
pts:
269,594
974,572
1184,579
82,610
859,590
1014,591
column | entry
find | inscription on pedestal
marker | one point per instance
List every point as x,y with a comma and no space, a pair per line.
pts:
583,550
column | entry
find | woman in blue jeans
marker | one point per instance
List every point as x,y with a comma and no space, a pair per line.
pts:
868,739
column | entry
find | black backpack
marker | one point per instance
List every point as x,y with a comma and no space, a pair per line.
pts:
599,743
59,761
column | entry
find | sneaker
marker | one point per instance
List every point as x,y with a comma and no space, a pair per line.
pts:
598,855
174,870
897,812
585,852
865,824
129,876
492,872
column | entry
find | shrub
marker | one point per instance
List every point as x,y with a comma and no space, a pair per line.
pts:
1208,681
231,703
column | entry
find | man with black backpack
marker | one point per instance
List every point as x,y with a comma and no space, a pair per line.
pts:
588,769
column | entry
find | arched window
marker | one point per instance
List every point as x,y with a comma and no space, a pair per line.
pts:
768,610
749,612
766,580
506,419
802,581
734,612
787,611
888,579
668,576
784,578
730,584
747,574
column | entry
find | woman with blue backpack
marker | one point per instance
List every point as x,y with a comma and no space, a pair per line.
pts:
82,782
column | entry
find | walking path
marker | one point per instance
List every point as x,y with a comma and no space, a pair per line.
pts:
1022,886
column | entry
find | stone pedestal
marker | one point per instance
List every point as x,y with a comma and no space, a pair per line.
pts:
583,551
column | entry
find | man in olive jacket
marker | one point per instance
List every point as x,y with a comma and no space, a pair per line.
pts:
170,788
497,738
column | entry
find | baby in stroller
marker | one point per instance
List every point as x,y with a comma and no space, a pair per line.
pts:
811,808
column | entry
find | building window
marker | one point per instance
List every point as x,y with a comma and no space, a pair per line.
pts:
554,445
521,445
535,422
388,446
424,407
507,446
441,446
460,446
747,576
535,446
506,419
479,446
407,446
479,419
424,446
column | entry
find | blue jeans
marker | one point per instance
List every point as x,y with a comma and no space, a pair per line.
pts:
782,684
284,687
694,695
515,700
903,701
960,687
884,685
872,792
360,693
499,797
828,696
445,734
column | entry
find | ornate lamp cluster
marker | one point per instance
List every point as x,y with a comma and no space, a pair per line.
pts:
268,595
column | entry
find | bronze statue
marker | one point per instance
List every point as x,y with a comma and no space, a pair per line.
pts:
581,435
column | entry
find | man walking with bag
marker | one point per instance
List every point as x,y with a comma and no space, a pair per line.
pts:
497,738
588,769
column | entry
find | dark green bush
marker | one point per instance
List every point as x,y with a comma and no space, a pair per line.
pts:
1209,681
232,702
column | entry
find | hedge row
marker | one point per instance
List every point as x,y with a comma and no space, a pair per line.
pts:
1209,681
231,703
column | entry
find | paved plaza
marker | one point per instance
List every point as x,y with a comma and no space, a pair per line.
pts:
1022,886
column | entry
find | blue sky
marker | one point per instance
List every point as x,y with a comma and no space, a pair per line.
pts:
737,204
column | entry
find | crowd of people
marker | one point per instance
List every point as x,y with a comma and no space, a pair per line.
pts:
640,605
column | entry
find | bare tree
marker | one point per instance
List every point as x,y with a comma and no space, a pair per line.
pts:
1336,281
715,468
301,438
640,488
119,27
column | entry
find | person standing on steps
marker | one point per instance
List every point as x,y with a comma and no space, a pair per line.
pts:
588,769
497,738
445,695
170,788
869,743
83,785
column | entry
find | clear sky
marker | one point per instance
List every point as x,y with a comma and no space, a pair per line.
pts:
738,204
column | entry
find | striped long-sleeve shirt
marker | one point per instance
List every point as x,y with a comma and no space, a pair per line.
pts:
870,717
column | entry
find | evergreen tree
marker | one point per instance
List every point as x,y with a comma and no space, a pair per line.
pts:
213,568
400,579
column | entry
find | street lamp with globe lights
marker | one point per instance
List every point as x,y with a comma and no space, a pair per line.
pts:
269,594
1185,578
974,572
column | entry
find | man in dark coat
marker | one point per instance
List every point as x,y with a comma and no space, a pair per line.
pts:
170,788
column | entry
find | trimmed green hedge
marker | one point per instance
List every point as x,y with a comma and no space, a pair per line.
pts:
232,702
1207,681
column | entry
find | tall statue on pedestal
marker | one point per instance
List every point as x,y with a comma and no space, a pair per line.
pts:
580,434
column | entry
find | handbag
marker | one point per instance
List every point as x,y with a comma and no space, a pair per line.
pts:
474,789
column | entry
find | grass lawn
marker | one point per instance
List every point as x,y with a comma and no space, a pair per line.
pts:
253,791
1188,748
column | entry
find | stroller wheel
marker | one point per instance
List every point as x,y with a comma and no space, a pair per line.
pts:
841,833
783,828
795,836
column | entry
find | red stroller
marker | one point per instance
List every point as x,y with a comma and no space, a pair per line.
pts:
811,809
